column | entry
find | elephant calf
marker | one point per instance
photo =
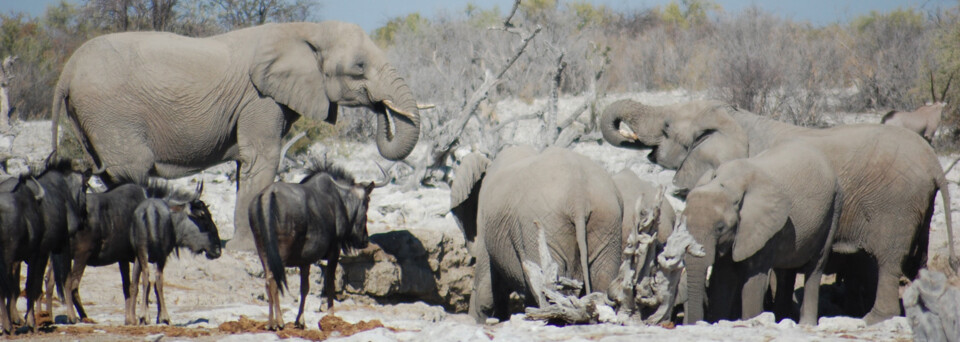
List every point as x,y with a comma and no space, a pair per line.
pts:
638,196
502,205
778,210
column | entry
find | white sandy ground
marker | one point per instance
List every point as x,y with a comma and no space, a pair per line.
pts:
206,293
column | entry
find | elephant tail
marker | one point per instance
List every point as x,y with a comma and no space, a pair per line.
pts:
948,212
264,224
580,225
57,108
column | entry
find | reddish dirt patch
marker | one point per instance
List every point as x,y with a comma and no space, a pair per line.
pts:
79,331
329,325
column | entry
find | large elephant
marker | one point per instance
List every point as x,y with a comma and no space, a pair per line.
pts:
159,104
924,120
638,196
502,205
889,176
778,210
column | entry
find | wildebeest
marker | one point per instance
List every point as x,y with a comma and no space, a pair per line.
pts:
61,212
295,225
22,232
107,238
162,222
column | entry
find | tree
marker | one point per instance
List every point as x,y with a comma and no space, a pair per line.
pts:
243,13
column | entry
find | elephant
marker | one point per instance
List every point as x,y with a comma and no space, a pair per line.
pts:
889,176
637,195
505,206
777,210
924,120
158,104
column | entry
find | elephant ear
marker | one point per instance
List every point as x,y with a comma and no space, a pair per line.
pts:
763,213
464,192
288,69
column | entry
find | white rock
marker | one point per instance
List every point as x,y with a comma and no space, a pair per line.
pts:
840,323
787,323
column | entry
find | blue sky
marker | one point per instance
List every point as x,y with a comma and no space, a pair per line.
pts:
371,14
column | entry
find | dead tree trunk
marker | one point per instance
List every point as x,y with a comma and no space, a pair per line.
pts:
6,74
441,146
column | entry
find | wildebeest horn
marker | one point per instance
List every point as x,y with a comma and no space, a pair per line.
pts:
386,179
40,195
199,190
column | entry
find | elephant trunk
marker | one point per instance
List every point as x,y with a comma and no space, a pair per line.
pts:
694,308
646,123
398,119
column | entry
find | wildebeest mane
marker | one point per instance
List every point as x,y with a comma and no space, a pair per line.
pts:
336,172
157,188
62,165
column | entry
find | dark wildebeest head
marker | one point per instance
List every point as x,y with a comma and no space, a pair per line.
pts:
354,196
192,222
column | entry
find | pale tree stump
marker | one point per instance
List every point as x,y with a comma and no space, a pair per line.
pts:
933,307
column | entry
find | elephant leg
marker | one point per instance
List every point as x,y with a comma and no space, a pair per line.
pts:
481,297
752,293
809,309
887,302
258,140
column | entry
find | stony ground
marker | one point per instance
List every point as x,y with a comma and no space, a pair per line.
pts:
416,253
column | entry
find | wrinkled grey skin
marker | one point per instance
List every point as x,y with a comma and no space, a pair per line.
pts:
502,205
637,195
924,120
158,104
889,176
777,210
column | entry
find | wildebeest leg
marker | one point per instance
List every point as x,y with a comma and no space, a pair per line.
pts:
330,275
162,316
304,290
15,295
783,303
129,287
48,288
141,279
72,293
5,325
35,270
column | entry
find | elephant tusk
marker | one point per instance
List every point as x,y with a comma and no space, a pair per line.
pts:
629,135
389,104
391,128
426,106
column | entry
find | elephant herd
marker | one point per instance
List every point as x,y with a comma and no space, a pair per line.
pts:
763,197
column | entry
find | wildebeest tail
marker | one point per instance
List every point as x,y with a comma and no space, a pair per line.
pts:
61,268
268,216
